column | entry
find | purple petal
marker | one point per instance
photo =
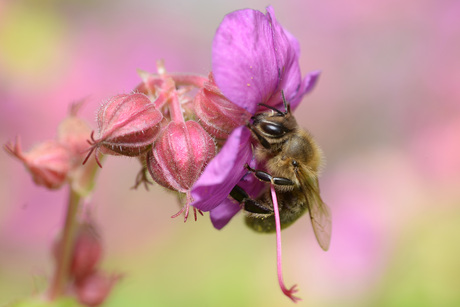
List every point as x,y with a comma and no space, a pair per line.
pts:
294,98
222,214
244,62
287,57
293,42
224,171
306,87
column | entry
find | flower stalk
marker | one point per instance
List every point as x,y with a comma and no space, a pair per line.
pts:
61,273
175,108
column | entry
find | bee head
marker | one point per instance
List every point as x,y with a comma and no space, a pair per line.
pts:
274,124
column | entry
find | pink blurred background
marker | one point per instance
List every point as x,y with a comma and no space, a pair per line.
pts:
386,112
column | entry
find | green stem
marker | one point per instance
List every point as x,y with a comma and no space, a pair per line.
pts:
61,274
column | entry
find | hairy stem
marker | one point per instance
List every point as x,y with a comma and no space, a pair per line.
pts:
175,108
194,80
61,273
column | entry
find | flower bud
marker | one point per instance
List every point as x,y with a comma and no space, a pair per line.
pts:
74,132
128,125
94,288
180,155
217,114
48,162
86,252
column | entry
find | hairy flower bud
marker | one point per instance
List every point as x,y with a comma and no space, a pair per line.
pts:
217,114
179,155
128,125
86,252
73,132
48,162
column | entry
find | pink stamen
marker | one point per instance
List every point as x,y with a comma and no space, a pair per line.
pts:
186,208
180,212
288,292
195,210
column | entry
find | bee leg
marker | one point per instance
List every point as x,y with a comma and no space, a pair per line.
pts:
250,205
264,176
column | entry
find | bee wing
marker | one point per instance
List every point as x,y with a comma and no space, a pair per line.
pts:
320,214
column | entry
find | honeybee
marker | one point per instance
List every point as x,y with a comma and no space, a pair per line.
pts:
292,161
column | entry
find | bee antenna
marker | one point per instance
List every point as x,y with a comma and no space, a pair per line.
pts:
287,105
272,108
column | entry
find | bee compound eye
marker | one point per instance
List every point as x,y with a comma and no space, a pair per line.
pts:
274,130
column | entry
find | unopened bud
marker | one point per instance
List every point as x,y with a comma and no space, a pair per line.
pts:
217,114
48,162
180,155
128,125
74,132
86,251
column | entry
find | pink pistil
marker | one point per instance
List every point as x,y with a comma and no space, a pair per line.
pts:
288,292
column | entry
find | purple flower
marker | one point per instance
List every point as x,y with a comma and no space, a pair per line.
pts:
253,59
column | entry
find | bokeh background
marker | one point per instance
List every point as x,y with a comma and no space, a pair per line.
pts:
386,112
